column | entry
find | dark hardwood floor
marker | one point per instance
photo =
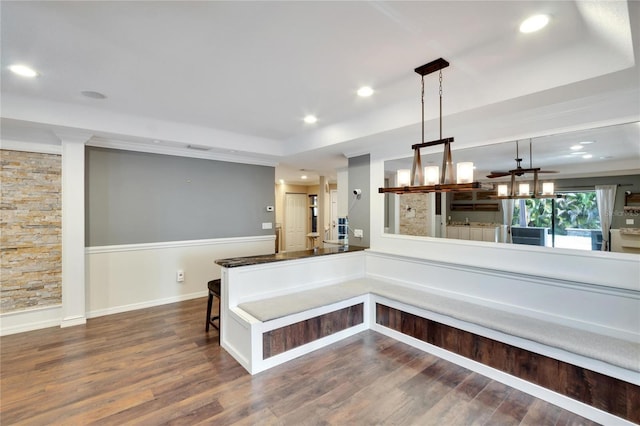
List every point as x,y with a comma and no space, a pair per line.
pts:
158,366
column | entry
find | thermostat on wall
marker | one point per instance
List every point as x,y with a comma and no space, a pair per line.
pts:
269,208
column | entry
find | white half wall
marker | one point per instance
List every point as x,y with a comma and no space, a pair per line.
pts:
135,276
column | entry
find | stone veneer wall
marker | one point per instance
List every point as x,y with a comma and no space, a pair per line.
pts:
413,214
31,230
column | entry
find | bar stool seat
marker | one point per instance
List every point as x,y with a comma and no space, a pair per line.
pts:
214,291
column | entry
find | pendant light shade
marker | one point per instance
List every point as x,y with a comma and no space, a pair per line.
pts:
404,177
431,175
464,172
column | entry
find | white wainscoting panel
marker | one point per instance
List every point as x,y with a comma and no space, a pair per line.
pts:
136,276
606,310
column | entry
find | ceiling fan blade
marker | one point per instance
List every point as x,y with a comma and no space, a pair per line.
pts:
548,171
497,174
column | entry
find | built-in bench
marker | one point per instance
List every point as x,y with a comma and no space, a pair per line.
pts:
547,359
611,350
591,368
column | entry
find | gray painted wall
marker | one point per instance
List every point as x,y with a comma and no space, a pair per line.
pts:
134,197
359,210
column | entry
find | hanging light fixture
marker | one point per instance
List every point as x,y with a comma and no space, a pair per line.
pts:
423,180
524,188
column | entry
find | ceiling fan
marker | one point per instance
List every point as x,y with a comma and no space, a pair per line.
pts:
519,170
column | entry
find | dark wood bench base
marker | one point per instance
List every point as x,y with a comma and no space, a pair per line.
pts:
282,339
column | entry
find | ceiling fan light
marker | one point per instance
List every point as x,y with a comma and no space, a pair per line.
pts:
503,190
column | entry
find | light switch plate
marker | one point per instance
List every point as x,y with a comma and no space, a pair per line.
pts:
358,233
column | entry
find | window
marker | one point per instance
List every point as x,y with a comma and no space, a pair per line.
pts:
570,222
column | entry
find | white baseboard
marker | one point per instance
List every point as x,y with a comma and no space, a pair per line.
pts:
51,316
30,319
73,321
146,304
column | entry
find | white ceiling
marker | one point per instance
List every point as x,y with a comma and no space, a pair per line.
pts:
237,78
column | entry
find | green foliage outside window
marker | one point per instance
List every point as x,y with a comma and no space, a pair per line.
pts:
575,210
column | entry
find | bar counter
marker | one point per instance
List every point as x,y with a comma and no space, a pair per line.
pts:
234,262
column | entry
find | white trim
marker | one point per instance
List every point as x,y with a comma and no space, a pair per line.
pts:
176,244
146,304
30,319
182,152
73,320
535,279
41,148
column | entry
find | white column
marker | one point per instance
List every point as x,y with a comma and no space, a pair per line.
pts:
73,245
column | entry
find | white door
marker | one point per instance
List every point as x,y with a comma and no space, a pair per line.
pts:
295,222
333,195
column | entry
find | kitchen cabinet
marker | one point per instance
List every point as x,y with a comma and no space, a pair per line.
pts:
474,233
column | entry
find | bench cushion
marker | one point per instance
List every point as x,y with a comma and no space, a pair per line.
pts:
293,303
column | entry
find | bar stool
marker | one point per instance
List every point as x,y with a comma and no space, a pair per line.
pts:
214,291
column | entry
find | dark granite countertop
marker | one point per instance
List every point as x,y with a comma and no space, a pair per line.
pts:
234,262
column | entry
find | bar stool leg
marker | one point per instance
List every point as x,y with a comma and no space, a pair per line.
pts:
209,303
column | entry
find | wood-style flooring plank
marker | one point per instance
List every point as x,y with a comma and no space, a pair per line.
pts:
158,366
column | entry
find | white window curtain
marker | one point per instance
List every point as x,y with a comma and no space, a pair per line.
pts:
606,198
523,219
507,217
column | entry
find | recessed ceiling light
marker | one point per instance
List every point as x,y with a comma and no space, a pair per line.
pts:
587,156
365,91
93,95
23,70
281,181
576,147
534,23
586,142
303,177
310,119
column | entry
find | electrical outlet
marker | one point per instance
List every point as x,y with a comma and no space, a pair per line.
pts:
180,275
358,233
267,225
630,221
